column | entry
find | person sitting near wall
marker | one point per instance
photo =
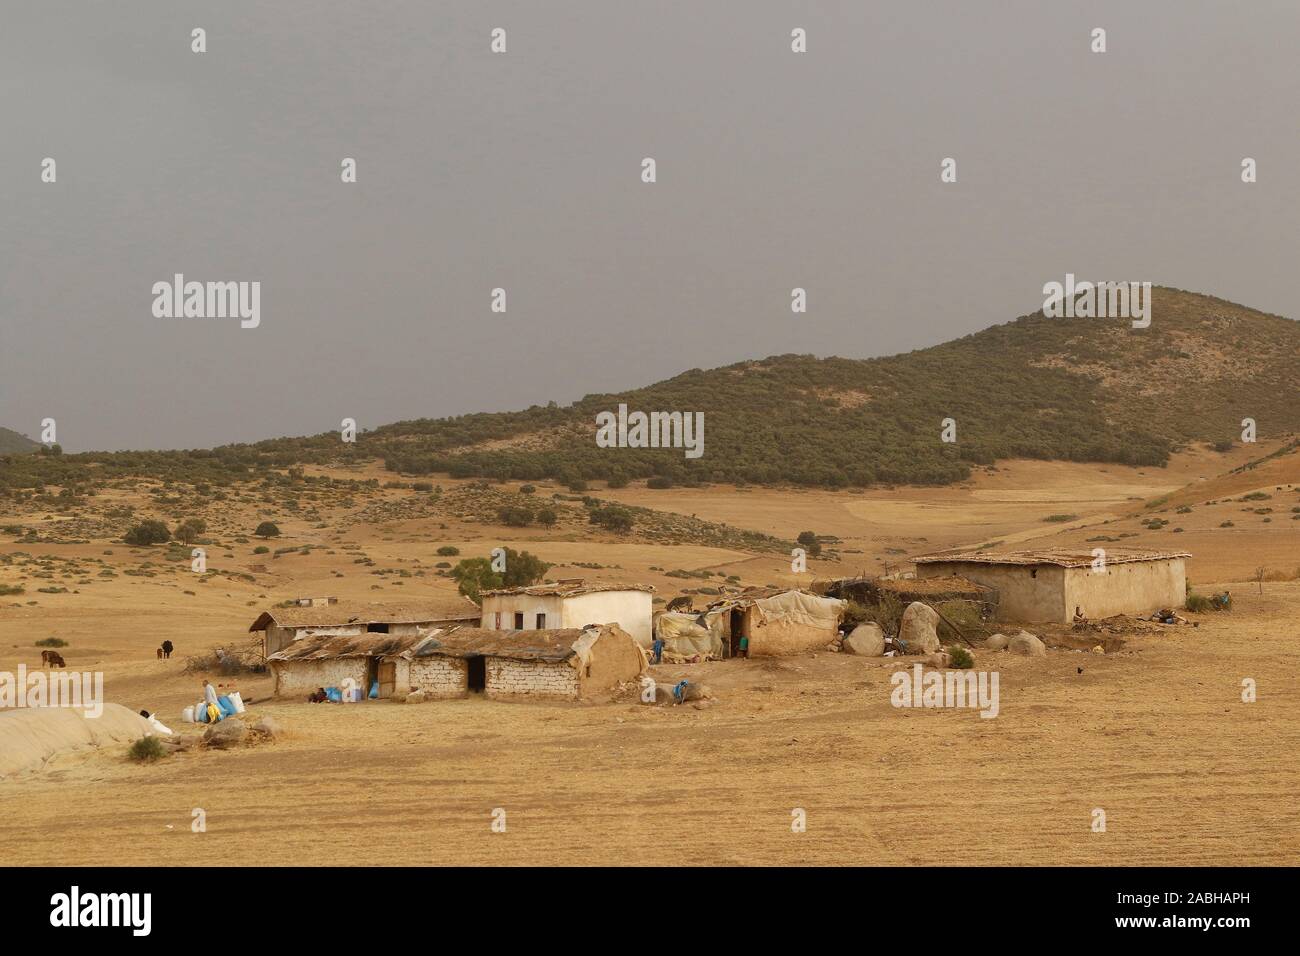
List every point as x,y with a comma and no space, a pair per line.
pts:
1078,615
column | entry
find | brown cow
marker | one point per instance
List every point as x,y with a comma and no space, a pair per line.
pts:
52,658
160,653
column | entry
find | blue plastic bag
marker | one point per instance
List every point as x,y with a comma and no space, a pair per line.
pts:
374,691
334,694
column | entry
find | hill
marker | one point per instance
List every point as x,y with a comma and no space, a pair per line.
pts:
1080,389
1073,389
12,443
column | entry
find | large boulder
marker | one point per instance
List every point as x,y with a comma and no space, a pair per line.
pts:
867,640
917,630
228,733
1026,644
998,642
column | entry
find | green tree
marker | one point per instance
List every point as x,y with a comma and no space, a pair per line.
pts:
189,530
808,541
267,529
473,576
147,532
516,517
612,518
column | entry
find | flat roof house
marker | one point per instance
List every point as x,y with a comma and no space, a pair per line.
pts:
284,625
571,603
1045,586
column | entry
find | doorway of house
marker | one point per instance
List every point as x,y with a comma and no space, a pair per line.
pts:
372,676
476,679
737,623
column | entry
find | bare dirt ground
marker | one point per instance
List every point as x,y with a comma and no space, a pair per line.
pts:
1155,734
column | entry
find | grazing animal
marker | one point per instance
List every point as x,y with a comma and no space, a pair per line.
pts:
167,648
160,653
52,658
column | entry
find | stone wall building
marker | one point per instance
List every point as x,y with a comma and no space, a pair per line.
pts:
554,663
571,603
1045,586
327,660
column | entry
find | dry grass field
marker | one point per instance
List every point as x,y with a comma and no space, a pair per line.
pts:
1155,734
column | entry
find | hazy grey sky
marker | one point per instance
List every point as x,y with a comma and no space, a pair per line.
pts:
522,170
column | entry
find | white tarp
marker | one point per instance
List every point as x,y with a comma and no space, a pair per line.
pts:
685,637
800,608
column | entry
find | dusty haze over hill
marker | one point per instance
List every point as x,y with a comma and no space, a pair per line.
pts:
521,171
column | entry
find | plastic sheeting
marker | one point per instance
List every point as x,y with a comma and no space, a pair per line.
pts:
797,607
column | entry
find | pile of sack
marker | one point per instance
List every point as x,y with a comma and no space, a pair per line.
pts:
227,705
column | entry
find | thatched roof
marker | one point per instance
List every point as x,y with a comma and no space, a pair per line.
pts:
432,610
1061,557
567,588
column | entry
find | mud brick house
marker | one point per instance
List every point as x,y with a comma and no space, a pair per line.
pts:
775,621
1045,586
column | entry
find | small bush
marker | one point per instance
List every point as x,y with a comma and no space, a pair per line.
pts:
6,589
52,642
449,551
960,658
1059,518
659,481
146,750
261,549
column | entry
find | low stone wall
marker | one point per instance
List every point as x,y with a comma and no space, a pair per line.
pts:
507,678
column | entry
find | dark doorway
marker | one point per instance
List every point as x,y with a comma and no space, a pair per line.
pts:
519,620
476,679
737,623
372,676
376,628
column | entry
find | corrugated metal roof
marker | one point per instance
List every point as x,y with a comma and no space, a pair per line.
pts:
449,608
1062,557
